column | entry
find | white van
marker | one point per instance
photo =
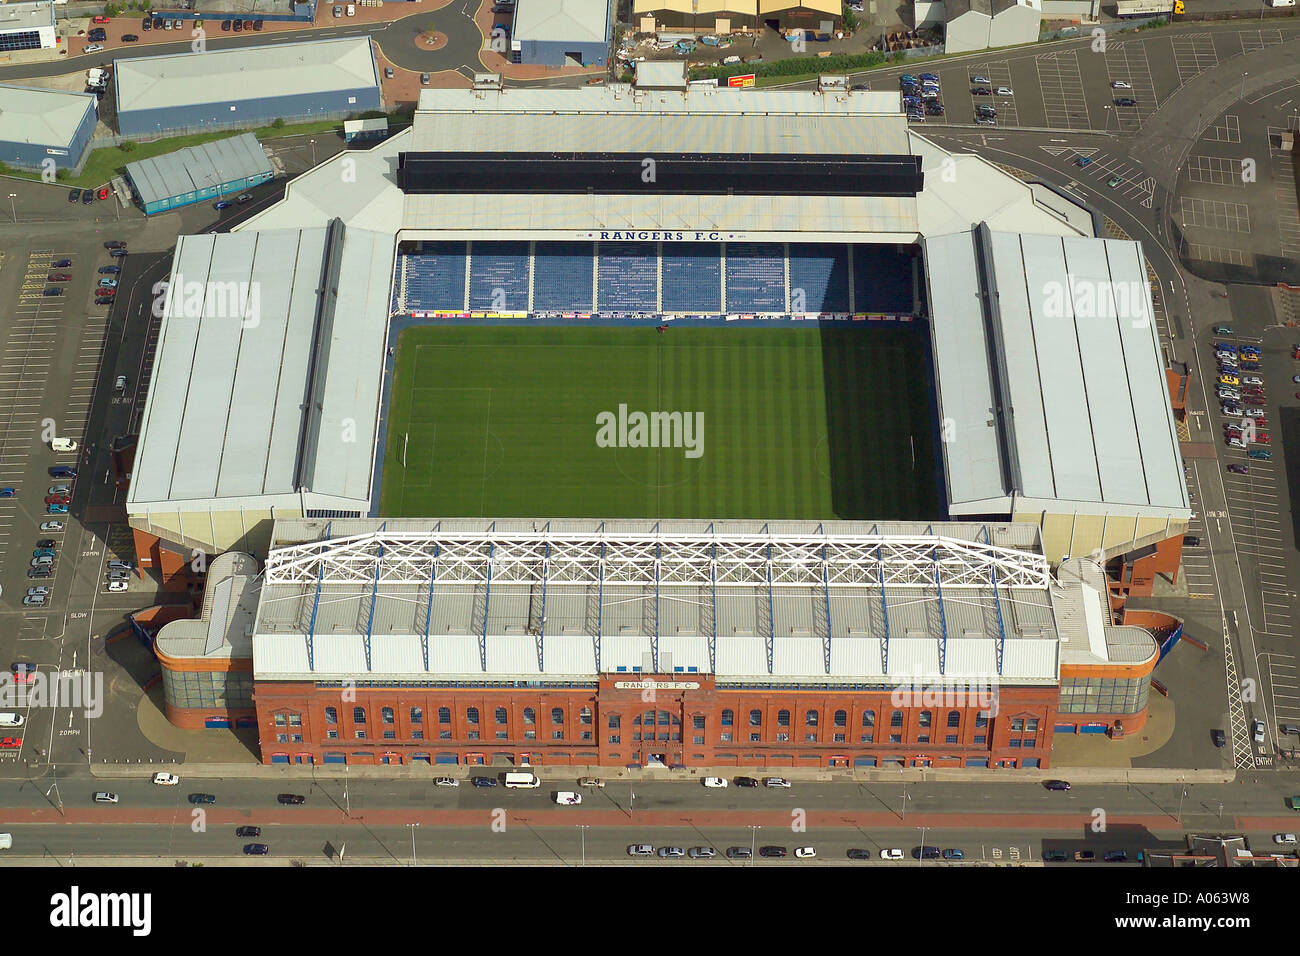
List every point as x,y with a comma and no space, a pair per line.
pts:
63,444
567,798
522,781
6,841
12,720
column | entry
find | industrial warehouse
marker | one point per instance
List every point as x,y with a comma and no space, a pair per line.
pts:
770,638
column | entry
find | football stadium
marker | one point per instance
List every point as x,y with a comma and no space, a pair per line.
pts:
754,396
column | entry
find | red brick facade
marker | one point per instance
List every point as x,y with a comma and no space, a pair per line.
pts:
698,726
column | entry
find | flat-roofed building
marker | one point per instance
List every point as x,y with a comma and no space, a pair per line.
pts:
39,127
196,173
561,32
27,26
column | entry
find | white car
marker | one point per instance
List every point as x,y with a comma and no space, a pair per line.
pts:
446,782
352,9
1282,839
891,854
776,782
1252,380
1005,91
1238,443
1120,85
166,779
719,783
116,586
591,782
805,852
1257,727
12,720
567,798
94,48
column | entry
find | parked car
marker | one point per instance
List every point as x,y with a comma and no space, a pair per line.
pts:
1085,856
953,853
636,849
1083,161
1218,329
1056,784
117,586
856,853
35,600
256,849
446,782
243,198
1126,101
772,852
93,48
1115,856
99,18
338,10
164,779
1258,731
1055,856
805,852
108,282
115,244
128,38
1263,454
1239,469
985,121
701,853
980,79
257,25
103,796
424,79
51,526
1113,181
746,782
74,195
671,852
981,91
715,782
1219,737
291,799
1005,91
202,798
1283,839
8,493
53,291
894,853
117,253
591,782
351,10
1124,85
42,572
743,852
251,832
925,853
483,781
776,782
225,26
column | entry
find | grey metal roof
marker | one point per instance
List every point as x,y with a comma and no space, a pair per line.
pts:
1086,416
224,627
26,16
198,167
561,21
617,118
224,418
220,76
845,628
42,117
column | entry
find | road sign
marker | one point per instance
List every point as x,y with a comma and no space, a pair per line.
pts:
741,81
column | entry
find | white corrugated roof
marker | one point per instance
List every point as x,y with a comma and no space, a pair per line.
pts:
182,80
561,21
42,117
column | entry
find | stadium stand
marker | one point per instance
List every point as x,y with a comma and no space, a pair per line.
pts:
562,277
627,277
755,277
499,266
820,271
433,277
882,279
692,277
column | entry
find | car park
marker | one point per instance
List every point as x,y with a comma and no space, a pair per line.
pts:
772,852
640,849
671,852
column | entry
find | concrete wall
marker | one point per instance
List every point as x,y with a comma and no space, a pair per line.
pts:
926,13
967,33
1015,25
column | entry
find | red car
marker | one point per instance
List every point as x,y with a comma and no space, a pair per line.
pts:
99,19
57,500
105,293
10,743
1261,438
60,277
103,192
1231,431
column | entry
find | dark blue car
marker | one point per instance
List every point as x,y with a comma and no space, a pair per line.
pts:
484,781
256,849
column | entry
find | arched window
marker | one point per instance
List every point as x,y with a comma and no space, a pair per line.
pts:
557,715
663,718
896,719
417,715
358,715
444,715
386,715
501,715
810,718
868,718
584,716
926,718
728,718
756,718
841,718
783,718
331,715
530,715
954,718
471,715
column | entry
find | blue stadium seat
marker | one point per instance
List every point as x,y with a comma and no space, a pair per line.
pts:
498,276
627,276
562,276
882,279
820,271
692,278
755,277
435,277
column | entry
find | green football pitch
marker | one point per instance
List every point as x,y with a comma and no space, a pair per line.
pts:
813,423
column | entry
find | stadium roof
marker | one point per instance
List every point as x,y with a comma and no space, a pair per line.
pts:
198,167
1069,402
617,118
224,627
219,76
26,16
802,602
561,21
42,117
257,374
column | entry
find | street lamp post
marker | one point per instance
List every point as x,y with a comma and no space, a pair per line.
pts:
313,151
921,859
582,829
1180,803
411,827
753,840
903,815
13,206
1242,94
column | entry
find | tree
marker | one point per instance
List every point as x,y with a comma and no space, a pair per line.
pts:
278,123
127,146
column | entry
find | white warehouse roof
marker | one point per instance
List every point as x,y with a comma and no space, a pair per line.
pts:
42,117
218,76
561,21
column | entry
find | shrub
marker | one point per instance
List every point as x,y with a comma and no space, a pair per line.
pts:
278,123
127,146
